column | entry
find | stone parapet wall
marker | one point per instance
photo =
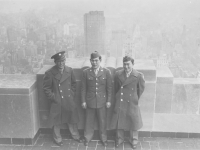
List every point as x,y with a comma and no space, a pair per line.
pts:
168,104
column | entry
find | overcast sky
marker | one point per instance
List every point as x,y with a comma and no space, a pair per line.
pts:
106,5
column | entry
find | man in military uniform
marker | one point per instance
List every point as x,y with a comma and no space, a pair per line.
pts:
60,87
96,96
129,86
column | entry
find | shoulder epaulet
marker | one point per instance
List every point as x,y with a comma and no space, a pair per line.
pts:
70,67
141,74
119,71
49,70
86,69
105,68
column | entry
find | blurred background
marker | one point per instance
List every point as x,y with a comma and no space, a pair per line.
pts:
167,31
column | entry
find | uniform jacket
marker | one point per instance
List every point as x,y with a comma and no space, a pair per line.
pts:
127,94
96,90
60,89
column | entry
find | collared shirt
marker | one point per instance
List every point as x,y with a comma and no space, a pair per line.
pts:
128,73
96,70
61,70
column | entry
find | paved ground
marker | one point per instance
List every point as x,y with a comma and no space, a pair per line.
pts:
44,142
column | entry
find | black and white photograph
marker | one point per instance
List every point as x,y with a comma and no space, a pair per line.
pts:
99,74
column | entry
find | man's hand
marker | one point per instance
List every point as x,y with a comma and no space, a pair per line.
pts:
108,104
84,105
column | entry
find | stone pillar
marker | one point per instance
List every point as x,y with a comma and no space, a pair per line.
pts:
19,117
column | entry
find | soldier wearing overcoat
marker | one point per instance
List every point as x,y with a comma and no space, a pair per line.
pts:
60,87
129,85
96,86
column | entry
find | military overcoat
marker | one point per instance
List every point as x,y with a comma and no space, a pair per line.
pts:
60,89
127,91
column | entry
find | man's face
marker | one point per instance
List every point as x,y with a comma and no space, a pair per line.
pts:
60,64
95,62
127,66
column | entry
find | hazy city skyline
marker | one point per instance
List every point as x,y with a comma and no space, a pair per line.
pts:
146,28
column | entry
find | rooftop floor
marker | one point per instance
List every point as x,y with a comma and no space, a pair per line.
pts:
44,142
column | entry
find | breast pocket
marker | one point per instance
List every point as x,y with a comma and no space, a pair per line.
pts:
103,79
90,80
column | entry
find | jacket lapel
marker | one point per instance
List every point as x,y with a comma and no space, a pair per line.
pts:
56,73
130,79
100,72
121,76
91,72
65,75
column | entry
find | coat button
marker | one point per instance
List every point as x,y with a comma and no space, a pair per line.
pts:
122,100
121,93
62,97
60,90
59,84
96,78
96,88
122,87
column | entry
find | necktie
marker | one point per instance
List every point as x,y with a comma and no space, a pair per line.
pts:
96,71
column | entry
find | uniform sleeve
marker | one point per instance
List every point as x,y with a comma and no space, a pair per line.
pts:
83,86
47,86
73,82
141,85
109,85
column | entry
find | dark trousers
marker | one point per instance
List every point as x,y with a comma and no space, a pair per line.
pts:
89,124
72,128
133,139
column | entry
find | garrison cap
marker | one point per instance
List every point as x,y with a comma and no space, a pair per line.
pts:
95,54
128,58
59,56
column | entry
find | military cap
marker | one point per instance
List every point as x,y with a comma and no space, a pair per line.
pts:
59,56
95,54
128,58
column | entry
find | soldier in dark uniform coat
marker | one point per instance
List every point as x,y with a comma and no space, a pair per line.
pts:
129,86
96,86
59,87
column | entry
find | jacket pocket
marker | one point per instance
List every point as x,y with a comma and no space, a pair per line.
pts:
103,79
90,78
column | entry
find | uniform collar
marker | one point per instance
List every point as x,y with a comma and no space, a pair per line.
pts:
128,73
96,69
100,71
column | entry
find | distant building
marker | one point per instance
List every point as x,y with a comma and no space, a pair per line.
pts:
70,29
94,31
162,61
79,45
128,47
11,34
116,44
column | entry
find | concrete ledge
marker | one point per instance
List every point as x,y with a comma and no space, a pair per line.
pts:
164,75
